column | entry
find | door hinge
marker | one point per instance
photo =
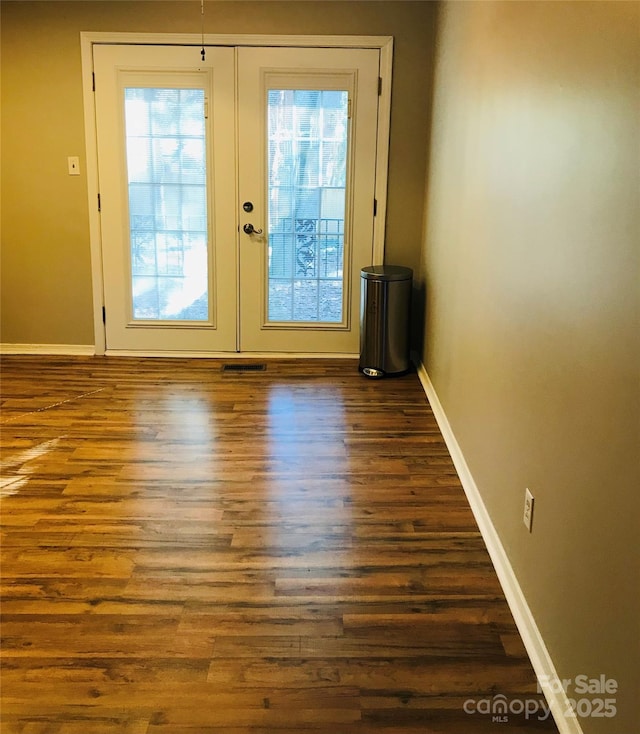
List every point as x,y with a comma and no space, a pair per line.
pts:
349,109
379,86
375,207
104,315
206,108
93,81
99,204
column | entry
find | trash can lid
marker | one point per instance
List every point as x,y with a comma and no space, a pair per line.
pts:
386,272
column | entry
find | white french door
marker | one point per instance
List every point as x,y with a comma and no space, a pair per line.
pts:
307,129
166,165
237,196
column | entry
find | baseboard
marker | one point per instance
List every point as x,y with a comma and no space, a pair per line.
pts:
72,350
531,637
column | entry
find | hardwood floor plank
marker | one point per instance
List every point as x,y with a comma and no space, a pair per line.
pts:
424,675
267,622
21,676
24,562
99,635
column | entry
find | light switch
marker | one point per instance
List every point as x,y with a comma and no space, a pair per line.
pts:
74,165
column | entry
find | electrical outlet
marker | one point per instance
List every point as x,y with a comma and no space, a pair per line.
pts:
528,509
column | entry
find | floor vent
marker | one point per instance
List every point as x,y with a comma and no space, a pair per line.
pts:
244,367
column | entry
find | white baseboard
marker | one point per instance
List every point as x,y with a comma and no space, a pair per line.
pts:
531,637
72,350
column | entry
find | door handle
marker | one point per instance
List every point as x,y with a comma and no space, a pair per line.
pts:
250,229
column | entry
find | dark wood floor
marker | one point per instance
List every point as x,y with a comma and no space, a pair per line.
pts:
188,550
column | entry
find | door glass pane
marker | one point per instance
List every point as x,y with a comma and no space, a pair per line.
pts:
307,177
166,168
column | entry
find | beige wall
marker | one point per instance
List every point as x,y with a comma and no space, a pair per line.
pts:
46,270
531,263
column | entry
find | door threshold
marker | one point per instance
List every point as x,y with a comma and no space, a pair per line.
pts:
229,355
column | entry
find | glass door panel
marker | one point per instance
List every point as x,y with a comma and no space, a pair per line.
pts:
167,186
307,179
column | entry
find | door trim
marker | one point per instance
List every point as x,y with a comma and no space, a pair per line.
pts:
88,39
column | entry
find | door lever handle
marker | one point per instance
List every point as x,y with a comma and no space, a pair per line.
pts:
250,229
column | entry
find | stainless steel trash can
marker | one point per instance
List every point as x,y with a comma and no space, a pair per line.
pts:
385,306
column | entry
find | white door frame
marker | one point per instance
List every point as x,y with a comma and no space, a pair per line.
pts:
89,39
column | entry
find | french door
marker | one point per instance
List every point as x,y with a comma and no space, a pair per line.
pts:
237,196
